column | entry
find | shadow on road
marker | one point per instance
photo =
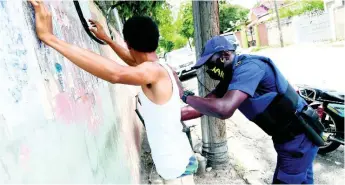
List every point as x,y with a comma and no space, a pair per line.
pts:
330,167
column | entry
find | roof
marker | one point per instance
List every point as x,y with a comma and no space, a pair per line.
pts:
259,11
262,11
270,3
265,6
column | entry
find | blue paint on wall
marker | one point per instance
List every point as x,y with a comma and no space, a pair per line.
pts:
19,38
2,4
24,67
58,67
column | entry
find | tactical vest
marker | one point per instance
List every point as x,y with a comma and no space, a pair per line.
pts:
280,113
281,119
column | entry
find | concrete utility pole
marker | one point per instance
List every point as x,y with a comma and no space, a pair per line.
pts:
278,22
206,25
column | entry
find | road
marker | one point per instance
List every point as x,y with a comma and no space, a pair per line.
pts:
319,65
250,149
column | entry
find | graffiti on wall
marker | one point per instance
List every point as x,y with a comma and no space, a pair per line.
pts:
57,122
14,65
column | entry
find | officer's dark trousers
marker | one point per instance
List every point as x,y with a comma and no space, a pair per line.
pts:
295,161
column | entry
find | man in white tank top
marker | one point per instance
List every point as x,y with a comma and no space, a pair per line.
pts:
171,151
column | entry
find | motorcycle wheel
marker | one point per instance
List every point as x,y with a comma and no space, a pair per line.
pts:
330,126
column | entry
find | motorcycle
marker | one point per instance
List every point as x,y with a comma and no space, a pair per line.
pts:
330,108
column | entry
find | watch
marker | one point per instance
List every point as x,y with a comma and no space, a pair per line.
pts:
186,94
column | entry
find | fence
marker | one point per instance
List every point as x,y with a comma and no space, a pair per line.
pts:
316,26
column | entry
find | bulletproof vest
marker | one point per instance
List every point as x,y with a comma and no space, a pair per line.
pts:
280,112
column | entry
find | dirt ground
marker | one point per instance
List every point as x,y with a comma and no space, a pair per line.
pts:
149,175
252,159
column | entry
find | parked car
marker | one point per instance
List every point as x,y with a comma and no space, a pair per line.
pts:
182,60
230,36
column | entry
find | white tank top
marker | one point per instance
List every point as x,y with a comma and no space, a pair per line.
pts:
169,145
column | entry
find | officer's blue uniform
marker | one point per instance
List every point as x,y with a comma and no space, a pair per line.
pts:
257,79
262,81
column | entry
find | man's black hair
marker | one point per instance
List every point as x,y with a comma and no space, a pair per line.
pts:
141,33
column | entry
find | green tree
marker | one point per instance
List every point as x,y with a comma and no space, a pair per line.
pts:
301,7
184,22
170,38
128,9
164,20
160,11
231,17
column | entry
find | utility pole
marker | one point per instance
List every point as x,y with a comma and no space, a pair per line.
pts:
278,22
206,25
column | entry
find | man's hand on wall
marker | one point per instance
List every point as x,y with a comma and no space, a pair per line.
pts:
44,26
98,30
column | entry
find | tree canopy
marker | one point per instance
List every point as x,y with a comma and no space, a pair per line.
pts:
184,22
231,17
300,7
175,34
159,11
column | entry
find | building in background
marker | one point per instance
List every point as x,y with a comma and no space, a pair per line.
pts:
336,10
298,23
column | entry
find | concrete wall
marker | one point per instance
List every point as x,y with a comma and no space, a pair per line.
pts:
314,27
239,38
335,8
262,30
339,17
59,124
287,30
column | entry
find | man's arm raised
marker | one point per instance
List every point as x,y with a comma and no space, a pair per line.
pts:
91,62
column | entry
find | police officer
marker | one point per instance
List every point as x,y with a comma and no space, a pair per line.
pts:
255,86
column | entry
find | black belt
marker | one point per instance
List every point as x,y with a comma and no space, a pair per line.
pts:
304,122
289,132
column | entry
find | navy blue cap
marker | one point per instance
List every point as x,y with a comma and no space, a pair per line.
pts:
214,45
